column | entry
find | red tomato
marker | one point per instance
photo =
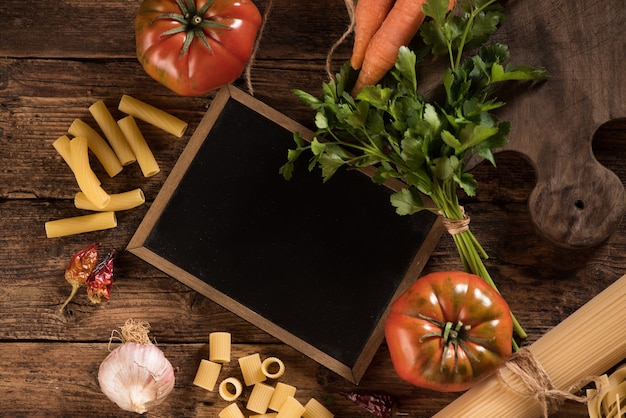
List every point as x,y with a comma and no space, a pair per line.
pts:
195,46
448,331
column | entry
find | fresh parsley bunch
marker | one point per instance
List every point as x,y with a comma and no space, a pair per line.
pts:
427,145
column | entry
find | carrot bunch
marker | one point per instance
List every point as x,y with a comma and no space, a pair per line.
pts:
381,28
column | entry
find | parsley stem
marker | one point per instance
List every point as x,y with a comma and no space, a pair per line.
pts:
470,250
475,11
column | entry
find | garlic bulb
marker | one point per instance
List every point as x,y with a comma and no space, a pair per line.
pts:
136,375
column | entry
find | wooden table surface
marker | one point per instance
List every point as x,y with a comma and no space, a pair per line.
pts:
59,57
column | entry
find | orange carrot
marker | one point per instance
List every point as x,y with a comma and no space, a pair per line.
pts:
368,16
398,28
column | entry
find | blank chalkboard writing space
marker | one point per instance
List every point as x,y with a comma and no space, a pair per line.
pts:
315,264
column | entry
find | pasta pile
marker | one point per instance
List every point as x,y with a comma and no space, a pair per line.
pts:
124,145
610,400
280,399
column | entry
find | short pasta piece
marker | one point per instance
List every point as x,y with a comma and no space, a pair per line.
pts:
207,374
231,411
143,153
251,369
266,415
62,145
219,347
259,399
152,115
292,408
314,409
224,389
112,132
101,149
119,201
268,363
80,224
84,175
281,392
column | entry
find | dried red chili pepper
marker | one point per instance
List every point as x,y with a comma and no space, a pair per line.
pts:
79,268
100,280
379,404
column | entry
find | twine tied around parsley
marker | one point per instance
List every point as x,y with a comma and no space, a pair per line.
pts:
538,384
456,226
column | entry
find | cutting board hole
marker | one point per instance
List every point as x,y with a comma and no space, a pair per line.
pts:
579,204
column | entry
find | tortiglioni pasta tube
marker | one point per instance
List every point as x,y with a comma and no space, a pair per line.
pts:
119,201
84,175
207,374
251,369
219,347
268,363
112,131
152,115
231,411
259,398
225,386
281,392
143,153
292,408
62,145
98,146
80,224
314,409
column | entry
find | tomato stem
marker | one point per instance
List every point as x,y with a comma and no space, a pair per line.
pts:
192,23
455,335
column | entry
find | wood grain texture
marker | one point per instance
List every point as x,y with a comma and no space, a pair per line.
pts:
57,58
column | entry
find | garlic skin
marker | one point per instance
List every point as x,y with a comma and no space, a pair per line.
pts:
136,376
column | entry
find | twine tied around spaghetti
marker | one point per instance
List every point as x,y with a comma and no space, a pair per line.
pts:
527,368
456,226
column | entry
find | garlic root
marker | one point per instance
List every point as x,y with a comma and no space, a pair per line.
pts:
136,375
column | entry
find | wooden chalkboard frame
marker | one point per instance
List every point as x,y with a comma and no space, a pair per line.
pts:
152,223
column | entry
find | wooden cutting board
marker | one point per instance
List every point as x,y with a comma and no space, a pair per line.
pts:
576,202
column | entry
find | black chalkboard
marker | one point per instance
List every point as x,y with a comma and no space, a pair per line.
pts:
315,264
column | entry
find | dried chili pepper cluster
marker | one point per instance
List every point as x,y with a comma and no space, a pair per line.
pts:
83,269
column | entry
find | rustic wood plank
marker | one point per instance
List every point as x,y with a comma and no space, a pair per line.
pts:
77,29
65,381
